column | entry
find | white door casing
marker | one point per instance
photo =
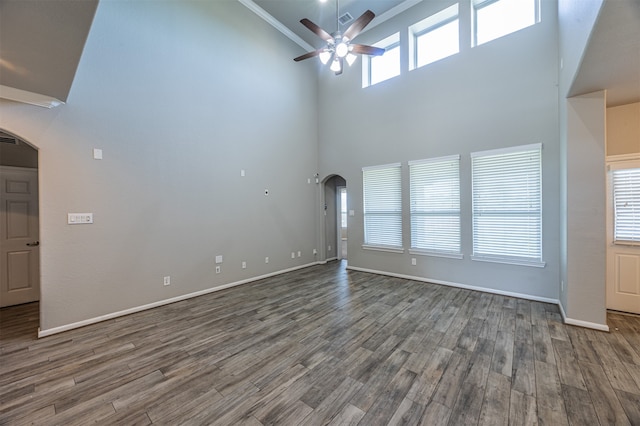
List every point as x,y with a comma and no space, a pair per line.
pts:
623,257
19,236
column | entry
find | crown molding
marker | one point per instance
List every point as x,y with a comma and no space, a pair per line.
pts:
18,95
276,24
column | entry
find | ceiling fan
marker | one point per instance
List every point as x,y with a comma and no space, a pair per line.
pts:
339,47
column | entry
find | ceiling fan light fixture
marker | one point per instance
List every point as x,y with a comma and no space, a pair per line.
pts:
335,65
342,49
338,48
325,56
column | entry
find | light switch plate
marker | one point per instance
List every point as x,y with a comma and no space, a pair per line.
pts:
97,154
79,218
219,258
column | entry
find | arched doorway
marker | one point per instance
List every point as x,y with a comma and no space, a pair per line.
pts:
335,218
19,222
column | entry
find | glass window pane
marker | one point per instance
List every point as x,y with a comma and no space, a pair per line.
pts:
503,17
385,66
438,43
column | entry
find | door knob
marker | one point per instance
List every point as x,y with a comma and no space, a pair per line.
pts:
34,244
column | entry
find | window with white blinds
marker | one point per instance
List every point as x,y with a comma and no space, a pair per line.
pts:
626,202
507,205
435,205
382,206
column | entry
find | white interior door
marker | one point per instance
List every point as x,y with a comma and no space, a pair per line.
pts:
623,236
19,233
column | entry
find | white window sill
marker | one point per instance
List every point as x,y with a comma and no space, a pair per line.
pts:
420,252
389,249
509,261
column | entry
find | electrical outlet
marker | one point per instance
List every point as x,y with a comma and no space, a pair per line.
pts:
293,255
315,251
266,260
329,248
244,265
299,253
413,261
167,280
218,269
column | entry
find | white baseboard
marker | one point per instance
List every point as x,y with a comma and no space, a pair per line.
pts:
566,320
67,327
458,285
580,323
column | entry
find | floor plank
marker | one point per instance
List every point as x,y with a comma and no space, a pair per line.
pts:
323,345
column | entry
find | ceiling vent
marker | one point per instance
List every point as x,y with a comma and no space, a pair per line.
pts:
6,138
345,18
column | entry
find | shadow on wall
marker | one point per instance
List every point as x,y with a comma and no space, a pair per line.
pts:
16,153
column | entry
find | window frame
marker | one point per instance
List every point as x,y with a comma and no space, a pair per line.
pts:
479,255
427,25
397,213
388,43
477,5
612,169
415,185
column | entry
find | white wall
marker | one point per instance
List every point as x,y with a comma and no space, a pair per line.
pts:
500,94
180,96
586,209
576,21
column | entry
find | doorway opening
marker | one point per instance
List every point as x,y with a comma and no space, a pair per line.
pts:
19,222
342,221
335,218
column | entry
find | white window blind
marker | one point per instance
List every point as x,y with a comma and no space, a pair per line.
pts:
382,206
626,199
435,204
507,205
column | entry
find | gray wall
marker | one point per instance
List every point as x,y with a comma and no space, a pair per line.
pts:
180,96
500,94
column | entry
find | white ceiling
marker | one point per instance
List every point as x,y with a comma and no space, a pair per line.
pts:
290,12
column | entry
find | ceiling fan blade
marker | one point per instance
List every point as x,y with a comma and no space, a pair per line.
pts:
366,50
308,55
317,30
358,25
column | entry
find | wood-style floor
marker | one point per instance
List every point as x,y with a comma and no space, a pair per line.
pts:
324,346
